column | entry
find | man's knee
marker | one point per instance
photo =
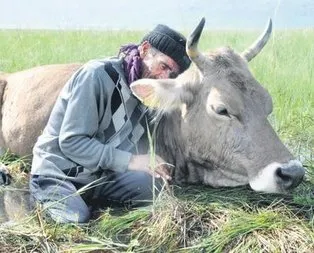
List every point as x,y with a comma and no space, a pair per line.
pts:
58,200
81,214
72,211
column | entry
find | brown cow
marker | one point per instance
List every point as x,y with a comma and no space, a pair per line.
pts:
27,98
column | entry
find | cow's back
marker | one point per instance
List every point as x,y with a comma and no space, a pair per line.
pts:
27,101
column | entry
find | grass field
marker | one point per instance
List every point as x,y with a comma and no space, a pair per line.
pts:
193,219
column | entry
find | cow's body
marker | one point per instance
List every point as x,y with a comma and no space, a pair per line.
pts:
27,98
213,124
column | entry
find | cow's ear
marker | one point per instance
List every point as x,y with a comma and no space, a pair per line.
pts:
161,94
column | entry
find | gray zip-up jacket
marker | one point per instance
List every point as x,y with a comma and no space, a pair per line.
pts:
95,125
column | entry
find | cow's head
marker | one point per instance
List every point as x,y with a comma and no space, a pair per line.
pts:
224,118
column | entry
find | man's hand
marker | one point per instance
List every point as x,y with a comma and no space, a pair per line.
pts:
153,165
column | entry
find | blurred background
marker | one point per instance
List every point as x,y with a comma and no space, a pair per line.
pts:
144,14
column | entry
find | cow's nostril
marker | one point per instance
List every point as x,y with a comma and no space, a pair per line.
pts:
284,178
289,176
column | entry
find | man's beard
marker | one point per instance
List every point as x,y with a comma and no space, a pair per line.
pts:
146,73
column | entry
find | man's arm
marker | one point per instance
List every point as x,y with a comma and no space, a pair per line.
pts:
81,122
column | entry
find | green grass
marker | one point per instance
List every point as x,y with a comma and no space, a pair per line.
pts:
195,219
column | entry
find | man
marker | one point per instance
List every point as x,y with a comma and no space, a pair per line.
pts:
91,137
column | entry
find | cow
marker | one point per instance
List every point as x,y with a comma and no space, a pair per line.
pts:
211,121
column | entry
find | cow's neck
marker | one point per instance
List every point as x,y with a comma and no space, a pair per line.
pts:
171,146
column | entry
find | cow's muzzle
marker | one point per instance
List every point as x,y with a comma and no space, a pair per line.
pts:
289,175
278,177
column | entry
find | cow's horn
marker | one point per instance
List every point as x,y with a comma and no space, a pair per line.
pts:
258,45
192,42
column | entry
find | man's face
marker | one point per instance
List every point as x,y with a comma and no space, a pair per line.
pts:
155,64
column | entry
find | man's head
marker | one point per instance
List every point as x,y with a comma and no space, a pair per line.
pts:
163,53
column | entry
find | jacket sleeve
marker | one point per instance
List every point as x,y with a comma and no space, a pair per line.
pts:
81,121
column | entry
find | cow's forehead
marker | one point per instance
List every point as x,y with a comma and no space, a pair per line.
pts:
225,57
228,68
225,60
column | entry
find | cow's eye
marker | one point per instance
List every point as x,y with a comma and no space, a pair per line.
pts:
221,110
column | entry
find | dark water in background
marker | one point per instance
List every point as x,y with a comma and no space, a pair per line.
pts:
144,14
